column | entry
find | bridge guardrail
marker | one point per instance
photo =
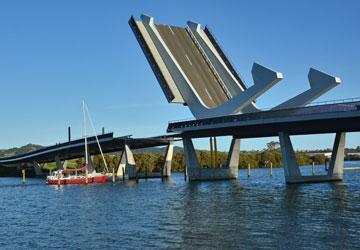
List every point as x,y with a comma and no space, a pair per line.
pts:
313,109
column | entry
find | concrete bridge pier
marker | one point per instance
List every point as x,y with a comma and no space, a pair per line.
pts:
166,170
196,173
336,166
127,161
60,165
121,166
37,169
91,166
291,167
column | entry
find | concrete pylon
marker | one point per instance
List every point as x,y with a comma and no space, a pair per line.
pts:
127,161
91,166
191,160
65,164
196,173
291,167
336,167
37,169
59,165
168,159
121,166
233,158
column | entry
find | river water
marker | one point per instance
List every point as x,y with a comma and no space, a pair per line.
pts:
260,212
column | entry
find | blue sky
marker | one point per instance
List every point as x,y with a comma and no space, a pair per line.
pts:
55,53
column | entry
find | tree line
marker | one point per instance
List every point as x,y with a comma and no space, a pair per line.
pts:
153,162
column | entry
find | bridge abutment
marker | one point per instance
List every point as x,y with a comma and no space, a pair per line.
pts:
291,168
196,173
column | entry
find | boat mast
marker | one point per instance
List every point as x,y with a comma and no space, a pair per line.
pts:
85,136
96,137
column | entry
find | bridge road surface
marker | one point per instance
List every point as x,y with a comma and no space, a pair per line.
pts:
193,64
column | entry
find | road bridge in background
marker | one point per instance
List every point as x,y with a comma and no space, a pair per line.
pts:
62,152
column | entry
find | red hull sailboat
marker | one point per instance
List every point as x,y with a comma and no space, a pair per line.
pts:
85,175
64,177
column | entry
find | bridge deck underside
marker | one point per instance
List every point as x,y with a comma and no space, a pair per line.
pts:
322,126
193,64
76,149
319,119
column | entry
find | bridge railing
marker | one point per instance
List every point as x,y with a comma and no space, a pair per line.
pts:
60,144
350,104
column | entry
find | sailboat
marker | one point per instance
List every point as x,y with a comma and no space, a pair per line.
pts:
84,175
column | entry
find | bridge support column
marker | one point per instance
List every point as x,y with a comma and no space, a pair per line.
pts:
121,167
37,169
59,165
196,173
127,161
336,167
291,167
166,170
91,166
65,164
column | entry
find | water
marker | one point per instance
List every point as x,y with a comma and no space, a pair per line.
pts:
248,213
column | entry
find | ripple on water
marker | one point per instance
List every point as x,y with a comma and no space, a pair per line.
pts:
256,212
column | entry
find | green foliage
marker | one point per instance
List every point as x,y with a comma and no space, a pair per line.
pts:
153,162
318,159
273,145
178,162
17,151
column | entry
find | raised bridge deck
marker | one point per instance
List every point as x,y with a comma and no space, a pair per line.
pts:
193,64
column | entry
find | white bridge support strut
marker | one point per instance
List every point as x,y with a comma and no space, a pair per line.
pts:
91,166
336,167
127,161
320,83
264,78
161,48
291,167
37,169
166,170
196,173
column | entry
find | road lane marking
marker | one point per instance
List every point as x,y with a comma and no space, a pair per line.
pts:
207,92
171,31
188,59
